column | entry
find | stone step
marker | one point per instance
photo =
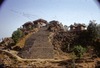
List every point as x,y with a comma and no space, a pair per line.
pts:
38,45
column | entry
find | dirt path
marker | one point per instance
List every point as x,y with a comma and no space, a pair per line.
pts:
14,55
46,62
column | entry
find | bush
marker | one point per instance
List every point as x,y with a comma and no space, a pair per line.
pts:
17,35
79,51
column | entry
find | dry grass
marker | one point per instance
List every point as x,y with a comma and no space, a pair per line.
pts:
6,56
22,41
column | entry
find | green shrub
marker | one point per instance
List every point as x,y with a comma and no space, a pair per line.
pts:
17,35
79,51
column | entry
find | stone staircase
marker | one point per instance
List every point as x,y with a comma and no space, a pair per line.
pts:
38,46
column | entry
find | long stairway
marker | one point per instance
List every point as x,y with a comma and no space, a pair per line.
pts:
38,46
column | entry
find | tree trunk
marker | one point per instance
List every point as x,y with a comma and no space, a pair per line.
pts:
68,47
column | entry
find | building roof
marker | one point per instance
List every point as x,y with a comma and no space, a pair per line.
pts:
27,23
40,20
77,25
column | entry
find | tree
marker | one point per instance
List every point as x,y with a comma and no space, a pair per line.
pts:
98,31
79,51
97,41
92,31
94,36
17,35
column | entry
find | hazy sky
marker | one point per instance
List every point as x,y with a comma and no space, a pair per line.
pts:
15,13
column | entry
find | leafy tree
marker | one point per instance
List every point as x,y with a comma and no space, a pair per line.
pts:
79,51
97,41
92,31
98,31
17,35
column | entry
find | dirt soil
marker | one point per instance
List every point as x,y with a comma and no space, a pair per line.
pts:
11,59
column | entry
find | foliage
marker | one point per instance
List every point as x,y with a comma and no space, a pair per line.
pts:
79,51
97,48
97,41
81,38
98,31
63,39
17,35
92,31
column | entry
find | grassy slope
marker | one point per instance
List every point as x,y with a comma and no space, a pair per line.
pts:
22,41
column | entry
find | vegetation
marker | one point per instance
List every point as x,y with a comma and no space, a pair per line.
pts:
74,42
17,35
64,38
92,31
98,31
79,51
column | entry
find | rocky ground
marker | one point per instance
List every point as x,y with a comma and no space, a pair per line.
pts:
10,59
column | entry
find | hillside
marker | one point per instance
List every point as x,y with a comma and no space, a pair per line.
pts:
51,45
38,45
